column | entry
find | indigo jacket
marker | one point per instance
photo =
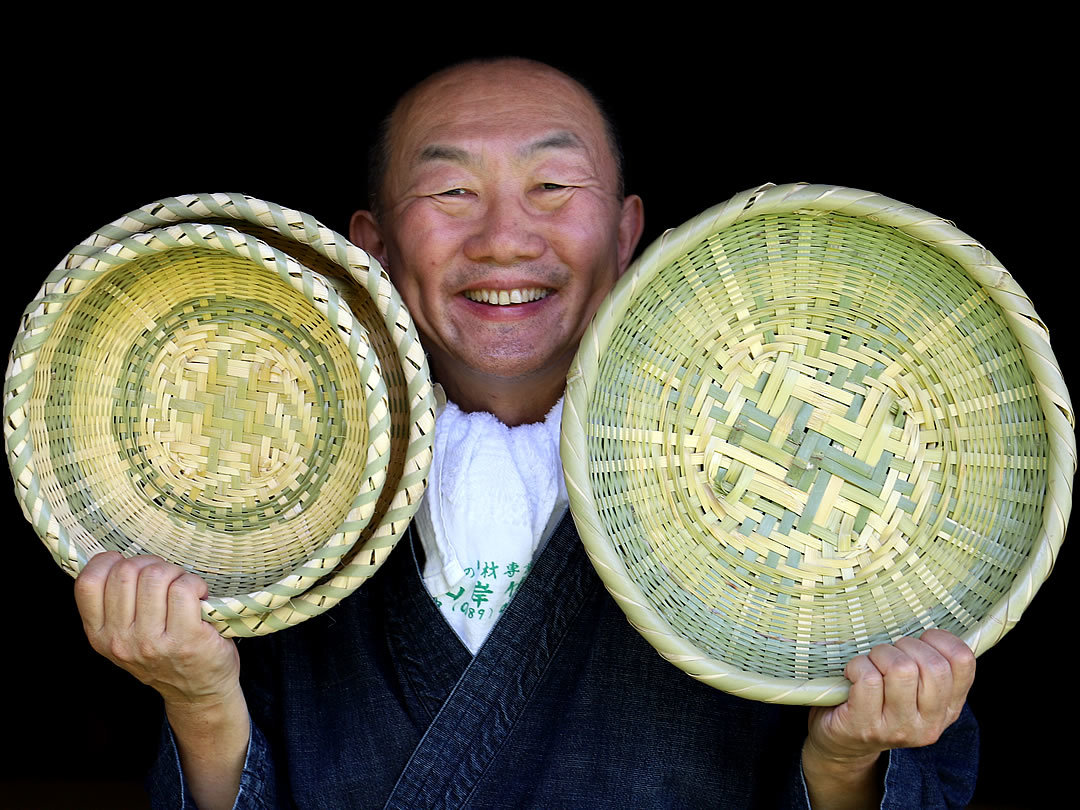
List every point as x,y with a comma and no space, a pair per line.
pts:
377,704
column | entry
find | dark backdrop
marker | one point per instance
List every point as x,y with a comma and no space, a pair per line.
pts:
974,133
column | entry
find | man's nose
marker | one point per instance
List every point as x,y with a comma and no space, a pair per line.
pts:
506,233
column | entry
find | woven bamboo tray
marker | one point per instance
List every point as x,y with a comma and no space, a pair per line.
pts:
809,421
232,386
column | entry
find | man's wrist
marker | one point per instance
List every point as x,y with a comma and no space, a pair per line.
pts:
181,703
836,762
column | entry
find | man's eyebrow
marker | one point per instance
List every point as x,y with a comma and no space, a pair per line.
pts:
438,151
557,140
455,154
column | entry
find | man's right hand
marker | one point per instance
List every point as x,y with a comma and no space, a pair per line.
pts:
144,615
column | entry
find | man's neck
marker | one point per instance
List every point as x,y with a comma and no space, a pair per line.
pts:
519,401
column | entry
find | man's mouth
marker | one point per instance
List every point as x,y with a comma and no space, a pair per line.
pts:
504,298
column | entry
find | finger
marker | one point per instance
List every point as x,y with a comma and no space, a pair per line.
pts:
867,694
935,678
185,610
152,598
901,680
90,589
961,662
120,591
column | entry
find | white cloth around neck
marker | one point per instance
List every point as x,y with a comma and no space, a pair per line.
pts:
494,495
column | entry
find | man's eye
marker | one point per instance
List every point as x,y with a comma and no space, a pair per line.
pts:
552,186
453,192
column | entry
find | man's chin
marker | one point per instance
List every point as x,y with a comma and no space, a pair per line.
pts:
496,363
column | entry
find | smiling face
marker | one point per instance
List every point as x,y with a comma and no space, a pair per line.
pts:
502,228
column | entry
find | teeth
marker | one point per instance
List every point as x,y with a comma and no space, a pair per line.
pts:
504,297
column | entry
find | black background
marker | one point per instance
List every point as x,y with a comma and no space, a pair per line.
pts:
969,128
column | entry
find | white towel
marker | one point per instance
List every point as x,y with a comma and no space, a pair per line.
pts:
494,496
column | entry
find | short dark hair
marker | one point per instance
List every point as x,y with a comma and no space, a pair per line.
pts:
378,157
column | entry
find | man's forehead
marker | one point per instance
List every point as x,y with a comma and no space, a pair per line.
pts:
536,104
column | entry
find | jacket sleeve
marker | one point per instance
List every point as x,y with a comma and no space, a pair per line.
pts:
938,776
169,791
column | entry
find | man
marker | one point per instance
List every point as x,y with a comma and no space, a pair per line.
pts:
500,218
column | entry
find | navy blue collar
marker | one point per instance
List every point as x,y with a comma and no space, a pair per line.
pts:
475,701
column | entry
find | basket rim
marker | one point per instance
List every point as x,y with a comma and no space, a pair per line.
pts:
984,270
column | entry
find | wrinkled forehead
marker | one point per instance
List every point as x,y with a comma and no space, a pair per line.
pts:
501,102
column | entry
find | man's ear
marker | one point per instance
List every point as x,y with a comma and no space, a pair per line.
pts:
364,232
631,226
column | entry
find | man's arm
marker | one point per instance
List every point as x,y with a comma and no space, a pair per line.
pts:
143,614
903,695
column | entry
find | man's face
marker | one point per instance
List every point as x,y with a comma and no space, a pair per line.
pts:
502,227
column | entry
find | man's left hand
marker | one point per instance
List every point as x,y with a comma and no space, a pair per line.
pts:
903,695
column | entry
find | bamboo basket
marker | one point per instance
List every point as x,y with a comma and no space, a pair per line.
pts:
232,386
813,420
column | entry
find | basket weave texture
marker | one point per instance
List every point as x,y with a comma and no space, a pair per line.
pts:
810,421
232,386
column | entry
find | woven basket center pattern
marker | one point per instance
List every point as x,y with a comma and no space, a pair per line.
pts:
821,466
